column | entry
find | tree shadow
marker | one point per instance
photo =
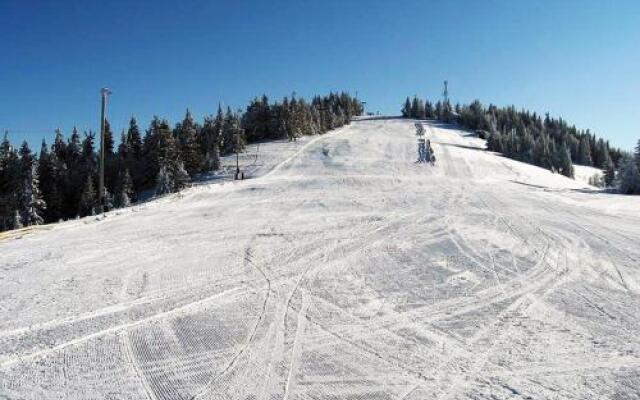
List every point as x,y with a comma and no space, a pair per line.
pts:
607,191
379,118
462,146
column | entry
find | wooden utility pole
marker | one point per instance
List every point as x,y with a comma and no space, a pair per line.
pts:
238,176
104,92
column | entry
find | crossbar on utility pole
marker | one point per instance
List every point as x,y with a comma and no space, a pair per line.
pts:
104,92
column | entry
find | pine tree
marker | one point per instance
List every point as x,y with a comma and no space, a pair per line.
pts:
88,200
33,205
316,120
17,220
181,177
59,147
48,186
227,134
135,162
134,139
540,150
231,136
67,169
171,176
108,202
111,162
88,149
428,109
73,147
124,151
421,110
164,183
74,174
219,124
406,109
564,161
536,140
584,156
340,118
527,148
210,144
415,108
601,153
10,171
26,158
156,141
257,120
60,179
494,142
293,122
108,139
189,145
609,171
629,177
125,191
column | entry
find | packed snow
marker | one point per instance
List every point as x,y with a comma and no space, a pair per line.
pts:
341,270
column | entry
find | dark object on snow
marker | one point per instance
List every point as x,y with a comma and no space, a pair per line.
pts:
423,155
482,134
432,157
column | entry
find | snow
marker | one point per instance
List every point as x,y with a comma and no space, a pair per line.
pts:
582,173
342,269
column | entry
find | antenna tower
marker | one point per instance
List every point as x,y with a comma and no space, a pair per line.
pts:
445,92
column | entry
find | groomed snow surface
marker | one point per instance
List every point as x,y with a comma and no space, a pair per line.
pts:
342,270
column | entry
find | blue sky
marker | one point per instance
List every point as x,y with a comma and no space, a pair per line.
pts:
575,59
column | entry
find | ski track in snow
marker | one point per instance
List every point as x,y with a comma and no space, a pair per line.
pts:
342,269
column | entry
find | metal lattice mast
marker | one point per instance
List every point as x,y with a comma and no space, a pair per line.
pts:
445,92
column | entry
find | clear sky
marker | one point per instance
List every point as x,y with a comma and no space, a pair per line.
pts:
575,59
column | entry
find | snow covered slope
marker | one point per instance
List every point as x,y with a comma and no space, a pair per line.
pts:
342,271
583,173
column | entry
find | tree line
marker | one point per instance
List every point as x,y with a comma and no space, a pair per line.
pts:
547,142
60,182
